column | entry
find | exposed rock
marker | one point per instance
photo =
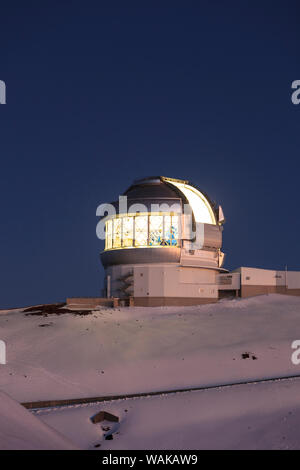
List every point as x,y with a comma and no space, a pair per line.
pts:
247,355
54,309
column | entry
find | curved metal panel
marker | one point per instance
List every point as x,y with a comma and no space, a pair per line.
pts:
212,236
140,256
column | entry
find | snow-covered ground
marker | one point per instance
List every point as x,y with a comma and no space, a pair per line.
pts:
19,429
146,349
255,416
128,350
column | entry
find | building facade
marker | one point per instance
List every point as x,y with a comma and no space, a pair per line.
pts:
163,246
249,282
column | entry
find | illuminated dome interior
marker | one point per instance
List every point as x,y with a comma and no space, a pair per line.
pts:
200,206
142,230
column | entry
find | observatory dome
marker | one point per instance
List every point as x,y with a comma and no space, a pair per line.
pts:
162,221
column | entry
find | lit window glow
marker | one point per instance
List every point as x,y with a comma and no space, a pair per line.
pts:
155,230
141,230
108,235
126,231
127,239
117,233
199,204
171,230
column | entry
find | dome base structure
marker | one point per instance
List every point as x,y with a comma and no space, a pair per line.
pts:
163,284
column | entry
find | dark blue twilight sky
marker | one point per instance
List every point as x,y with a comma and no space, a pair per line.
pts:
98,96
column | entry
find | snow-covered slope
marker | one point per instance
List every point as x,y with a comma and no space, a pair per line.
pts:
20,430
145,349
255,416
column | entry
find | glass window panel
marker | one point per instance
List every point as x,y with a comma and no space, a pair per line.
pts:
117,233
141,230
167,230
174,230
127,239
171,230
133,231
108,235
156,230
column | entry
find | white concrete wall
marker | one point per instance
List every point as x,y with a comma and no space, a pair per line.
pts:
171,280
261,277
115,273
199,258
293,279
148,281
174,281
269,277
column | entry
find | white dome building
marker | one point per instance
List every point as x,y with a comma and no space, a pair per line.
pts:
164,246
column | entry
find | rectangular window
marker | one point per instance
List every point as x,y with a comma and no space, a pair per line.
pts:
156,230
108,235
141,230
174,229
171,230
117,233
127,239
167,229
